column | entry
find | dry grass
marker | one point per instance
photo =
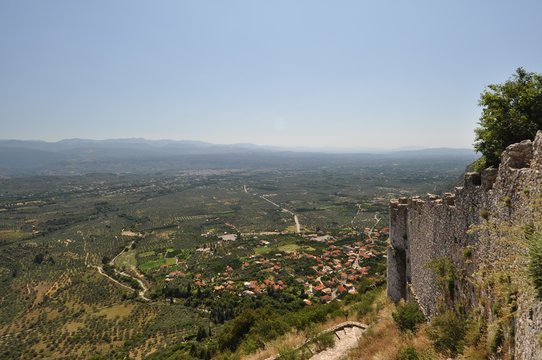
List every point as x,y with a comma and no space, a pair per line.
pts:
51,314
421,341
287,341
120,311
73,326
383,339
293,339
147,348
40,292
163,234
6,235
330,323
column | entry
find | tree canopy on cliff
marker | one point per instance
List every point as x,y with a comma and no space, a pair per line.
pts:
511,112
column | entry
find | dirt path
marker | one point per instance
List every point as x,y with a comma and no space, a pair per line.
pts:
112,262
85,250
137,278
101,271
345,341
144,288
356,215
377,220
141,292
347,335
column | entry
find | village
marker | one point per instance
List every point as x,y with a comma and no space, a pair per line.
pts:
323,267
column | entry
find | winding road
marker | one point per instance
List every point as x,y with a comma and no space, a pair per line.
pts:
377,220
141,292
355,216
144,287
101,271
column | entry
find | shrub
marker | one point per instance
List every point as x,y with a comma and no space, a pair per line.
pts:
444,270
233,333
312,314
267,327
292,354
407,353
287,354
325,341
535,261
475,334
467,252
407,316
364,303
447,332
495,338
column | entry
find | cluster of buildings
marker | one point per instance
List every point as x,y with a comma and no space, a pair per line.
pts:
337,271
332,273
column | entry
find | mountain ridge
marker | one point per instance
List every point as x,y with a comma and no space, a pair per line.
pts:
164,143
79,156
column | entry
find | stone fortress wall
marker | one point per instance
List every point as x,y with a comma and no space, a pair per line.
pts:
424,230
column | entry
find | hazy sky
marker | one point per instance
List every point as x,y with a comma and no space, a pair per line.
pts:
306,73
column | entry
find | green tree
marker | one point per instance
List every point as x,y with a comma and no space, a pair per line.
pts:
38,259
233,333
511,112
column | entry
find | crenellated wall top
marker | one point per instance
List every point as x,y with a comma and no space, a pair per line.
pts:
524,155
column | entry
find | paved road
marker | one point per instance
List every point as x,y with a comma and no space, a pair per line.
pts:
269,201
296,219
297,224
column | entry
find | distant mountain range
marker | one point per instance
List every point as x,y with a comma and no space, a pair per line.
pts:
157,146
78,156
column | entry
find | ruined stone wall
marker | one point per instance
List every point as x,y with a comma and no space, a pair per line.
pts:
424,230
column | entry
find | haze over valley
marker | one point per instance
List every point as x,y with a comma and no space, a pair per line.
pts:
270,180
